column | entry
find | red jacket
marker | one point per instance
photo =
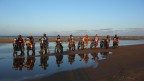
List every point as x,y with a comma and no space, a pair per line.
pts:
20,40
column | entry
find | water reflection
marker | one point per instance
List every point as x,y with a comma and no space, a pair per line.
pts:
43,62
31,65
104,54
81,55
30,62
16,54
20,71
95,56
59,59
71,58
18,62
86,58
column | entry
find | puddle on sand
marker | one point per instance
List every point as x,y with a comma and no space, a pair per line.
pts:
21,67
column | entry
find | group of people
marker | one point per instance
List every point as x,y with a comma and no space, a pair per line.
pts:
96,39
85,39
20,40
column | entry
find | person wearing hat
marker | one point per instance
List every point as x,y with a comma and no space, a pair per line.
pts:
31,39
96,40
116,36
45,38
108,38
20,40
115,39
58,39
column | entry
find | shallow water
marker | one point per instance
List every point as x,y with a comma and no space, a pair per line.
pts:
19,68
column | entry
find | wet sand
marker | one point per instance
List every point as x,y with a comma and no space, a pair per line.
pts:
125,64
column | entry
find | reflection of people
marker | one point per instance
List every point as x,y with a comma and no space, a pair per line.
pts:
104,54
95,56
15,63
18,62
59,59
81,56
30,62
43,62
71,58
86,58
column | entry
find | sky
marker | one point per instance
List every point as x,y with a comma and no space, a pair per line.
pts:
77,17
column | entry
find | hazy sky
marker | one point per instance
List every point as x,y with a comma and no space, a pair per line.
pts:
79,17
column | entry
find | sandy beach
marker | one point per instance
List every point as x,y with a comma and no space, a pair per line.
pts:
72,40
125,64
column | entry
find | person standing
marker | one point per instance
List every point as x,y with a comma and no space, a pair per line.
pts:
20,40
96,39
31,39
86,40
45,39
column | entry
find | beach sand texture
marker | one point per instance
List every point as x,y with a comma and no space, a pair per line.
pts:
125,64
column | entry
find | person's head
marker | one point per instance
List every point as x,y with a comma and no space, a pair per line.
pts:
71,35
30,35
58,36
115,35
86,35
44,35
96,35
19,36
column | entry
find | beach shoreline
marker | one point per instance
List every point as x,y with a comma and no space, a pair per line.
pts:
126,64
64,39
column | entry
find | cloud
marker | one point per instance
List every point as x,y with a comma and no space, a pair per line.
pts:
122,32
100,32
103,32
134,31
107,29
